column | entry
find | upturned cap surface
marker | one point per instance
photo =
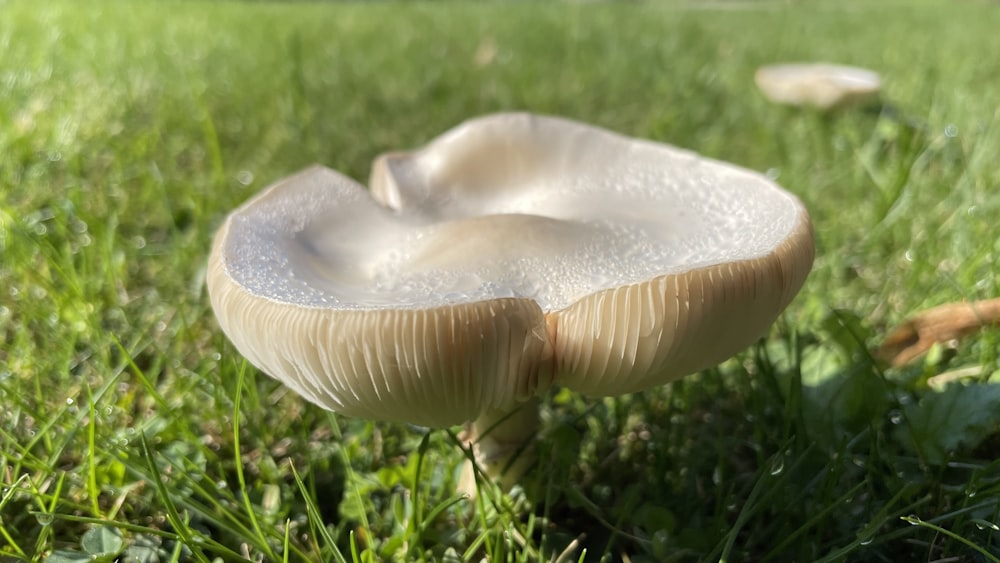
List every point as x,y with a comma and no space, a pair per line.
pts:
511,252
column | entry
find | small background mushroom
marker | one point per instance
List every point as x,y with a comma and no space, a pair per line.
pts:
822,86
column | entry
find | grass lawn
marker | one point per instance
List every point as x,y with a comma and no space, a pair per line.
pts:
130,427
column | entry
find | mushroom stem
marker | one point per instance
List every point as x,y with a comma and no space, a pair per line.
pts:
502,445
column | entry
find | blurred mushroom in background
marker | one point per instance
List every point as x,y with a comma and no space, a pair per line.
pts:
822,86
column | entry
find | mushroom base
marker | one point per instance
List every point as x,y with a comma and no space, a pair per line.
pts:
502,444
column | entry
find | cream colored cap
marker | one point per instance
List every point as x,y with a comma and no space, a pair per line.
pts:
513,251
820,85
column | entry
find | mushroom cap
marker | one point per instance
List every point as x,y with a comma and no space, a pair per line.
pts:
512,252
820,85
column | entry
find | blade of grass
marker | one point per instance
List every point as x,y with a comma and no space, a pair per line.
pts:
147,384
815,520
238,455
93,489
173,516
914,521
8,494
316,517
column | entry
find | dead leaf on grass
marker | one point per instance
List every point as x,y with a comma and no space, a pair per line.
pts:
941,324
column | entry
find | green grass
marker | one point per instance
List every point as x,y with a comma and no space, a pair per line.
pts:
129,425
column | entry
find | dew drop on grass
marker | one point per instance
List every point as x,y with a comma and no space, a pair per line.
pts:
986,525
661,543
69,401
44,519
777,465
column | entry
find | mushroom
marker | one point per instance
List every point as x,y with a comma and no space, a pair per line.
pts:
823,86
512,253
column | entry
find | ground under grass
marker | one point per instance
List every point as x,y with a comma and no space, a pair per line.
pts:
129,426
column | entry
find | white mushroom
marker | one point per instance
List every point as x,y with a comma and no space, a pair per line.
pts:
820,85
513,252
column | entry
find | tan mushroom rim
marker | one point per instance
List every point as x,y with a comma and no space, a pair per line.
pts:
448,363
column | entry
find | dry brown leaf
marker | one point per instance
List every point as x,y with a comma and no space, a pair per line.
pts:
943,323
